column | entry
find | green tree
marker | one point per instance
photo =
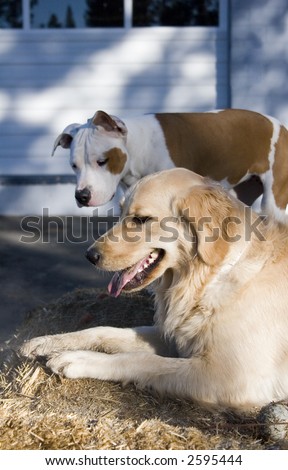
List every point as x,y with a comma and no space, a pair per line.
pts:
105,13
175,12
11,14
53,22
70,22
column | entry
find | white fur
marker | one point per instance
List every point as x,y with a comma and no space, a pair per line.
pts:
87,146
268,202
144,147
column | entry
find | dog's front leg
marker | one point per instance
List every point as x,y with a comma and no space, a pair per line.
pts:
140,367
187,378
103,338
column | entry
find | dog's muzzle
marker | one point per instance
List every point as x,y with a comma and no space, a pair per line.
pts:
83,196
92,255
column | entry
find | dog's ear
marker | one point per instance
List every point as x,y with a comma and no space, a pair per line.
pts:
109,123
66,137
207,211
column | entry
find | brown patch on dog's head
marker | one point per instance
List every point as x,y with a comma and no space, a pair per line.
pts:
116,160
109,123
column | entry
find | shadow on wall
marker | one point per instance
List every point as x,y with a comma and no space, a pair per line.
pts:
259,66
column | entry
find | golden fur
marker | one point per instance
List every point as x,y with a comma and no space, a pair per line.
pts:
220,277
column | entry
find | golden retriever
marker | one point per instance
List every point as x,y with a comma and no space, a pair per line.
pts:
220,278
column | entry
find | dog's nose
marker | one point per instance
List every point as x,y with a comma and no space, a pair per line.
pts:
83,196
92,255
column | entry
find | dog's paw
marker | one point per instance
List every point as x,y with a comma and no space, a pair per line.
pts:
77,364
41,346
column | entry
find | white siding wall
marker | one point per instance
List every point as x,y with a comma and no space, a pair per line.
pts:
259,56
49,79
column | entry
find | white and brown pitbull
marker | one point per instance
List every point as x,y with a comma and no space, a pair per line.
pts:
228,145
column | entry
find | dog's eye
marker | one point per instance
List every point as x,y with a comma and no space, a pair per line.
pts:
74,166
140,220
102,162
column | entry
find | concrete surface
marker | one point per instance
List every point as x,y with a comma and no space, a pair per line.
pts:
17,193
42,258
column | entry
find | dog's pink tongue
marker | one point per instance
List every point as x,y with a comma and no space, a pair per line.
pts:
116,284
120,279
